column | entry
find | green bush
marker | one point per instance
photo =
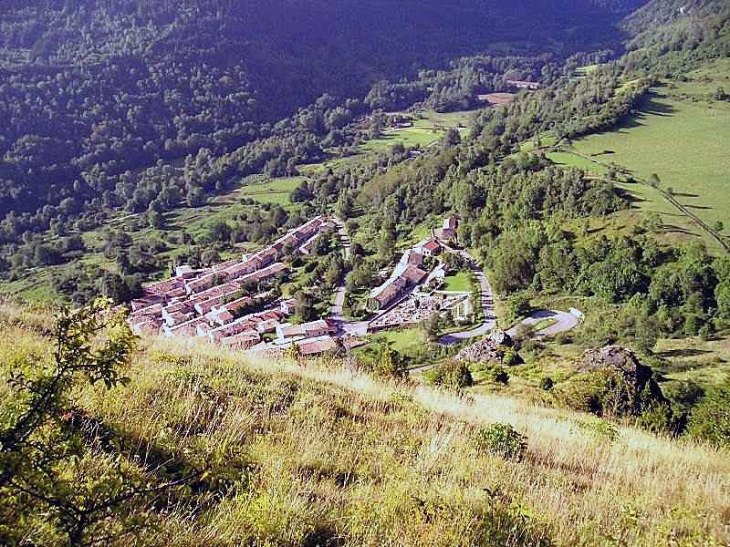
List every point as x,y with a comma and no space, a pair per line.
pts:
499,375
502,440
452,375
546,383
657,418
511,358
710,420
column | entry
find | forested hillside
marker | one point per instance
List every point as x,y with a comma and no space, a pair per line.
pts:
92,90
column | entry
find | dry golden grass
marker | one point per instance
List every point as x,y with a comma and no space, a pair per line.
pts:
411,441
324,455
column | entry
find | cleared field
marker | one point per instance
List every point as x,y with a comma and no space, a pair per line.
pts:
403,341
428,127
277,191
682,137
566,159
458,282
704,362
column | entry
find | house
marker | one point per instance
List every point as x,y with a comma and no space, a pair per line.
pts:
231,329
228,290
208,305
386,294
263,275
238,304
187,329
241,341
146,302
430,248
147,313
316,346
412,257
448,230
524,84
162,288
240,269
146,327
221,266
288,307
269,325
187,272
305,330
220,316
308,246
203,283
203,329
413,275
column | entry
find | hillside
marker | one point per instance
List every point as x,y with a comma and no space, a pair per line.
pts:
166,79
263,452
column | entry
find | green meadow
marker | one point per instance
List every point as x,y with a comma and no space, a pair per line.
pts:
458,282
276,191
428,128
683,137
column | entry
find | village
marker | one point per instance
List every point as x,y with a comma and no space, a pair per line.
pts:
211,304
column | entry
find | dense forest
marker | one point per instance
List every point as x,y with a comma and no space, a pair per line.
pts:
94,93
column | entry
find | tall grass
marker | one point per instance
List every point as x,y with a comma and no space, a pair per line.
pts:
320,454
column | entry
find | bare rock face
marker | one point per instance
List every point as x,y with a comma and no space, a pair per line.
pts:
488,351
483,351
617,359
500,338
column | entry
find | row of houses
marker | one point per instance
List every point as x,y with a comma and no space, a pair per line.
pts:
208,302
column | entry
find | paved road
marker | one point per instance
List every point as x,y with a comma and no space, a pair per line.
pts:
563,322
487,303
336,311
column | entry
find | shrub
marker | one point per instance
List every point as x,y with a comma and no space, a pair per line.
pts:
452,375
511,357
546,383
710,420
502,440
499,375
657,418
601,429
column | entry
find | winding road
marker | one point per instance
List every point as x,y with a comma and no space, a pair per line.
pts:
338,304
563,322
487,303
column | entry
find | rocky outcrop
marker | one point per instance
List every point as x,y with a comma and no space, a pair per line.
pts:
626,385
484,351
488,351
500,338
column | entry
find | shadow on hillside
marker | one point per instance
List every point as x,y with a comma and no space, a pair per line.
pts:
683,353
685,195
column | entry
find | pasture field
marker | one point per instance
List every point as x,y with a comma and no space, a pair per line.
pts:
683,137
566,159
276,191
404,341
428,128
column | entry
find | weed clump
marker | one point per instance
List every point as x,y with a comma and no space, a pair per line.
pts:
502,440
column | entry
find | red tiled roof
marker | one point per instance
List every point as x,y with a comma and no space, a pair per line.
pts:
432,245
317,346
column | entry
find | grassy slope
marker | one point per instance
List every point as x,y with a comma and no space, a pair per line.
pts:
682,137
319,452
428,127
